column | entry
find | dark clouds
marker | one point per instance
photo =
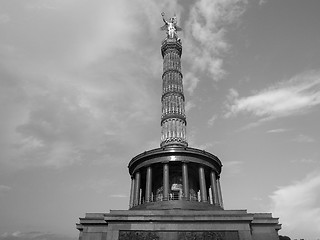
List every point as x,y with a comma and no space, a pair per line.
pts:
77,74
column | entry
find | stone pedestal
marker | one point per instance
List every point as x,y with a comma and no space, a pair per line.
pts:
178,224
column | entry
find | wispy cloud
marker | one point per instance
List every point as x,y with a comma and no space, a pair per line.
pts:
262,2
189,105
34,236
99,185
75,98
205,39
191,82
303,139
298,207
118,196
305,161
212,120
278,130
73,87
204,146
232,168
4,18
287,98
4,188
257,198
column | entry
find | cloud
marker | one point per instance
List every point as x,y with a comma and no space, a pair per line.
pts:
303,139
77,88
4,188
262,2
189,105
74,87
298,207
304,161
4,18
118,196
100,185
232,168
191,82
204,146
212,120
257,198
34,236
205,40
277,130
287,98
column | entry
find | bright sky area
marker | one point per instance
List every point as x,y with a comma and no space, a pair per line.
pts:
80,88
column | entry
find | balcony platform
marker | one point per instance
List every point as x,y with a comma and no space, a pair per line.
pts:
177,204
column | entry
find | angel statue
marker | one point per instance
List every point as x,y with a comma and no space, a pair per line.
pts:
171,27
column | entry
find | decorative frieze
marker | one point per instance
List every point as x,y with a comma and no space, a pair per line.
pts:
179,235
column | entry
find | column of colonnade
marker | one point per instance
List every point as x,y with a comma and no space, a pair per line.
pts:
131,203
137,182
219,192
165,180
148,184
214,188
135,197
202,183
185,181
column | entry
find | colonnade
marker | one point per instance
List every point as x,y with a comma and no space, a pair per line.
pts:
215,196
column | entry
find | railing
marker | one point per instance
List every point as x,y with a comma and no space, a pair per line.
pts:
171,197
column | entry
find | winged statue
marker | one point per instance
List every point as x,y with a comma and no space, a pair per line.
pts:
170,26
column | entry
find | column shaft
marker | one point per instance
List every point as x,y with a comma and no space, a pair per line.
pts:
132,192
148,184
165,181
203,187
185,181
214,188
219,192
137,189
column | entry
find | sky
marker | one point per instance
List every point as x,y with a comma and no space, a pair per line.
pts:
80,89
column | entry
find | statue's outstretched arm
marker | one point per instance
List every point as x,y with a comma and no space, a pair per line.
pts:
165,21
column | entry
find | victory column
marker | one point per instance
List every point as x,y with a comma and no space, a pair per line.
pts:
175,189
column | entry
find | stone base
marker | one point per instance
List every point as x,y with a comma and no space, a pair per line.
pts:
178,225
